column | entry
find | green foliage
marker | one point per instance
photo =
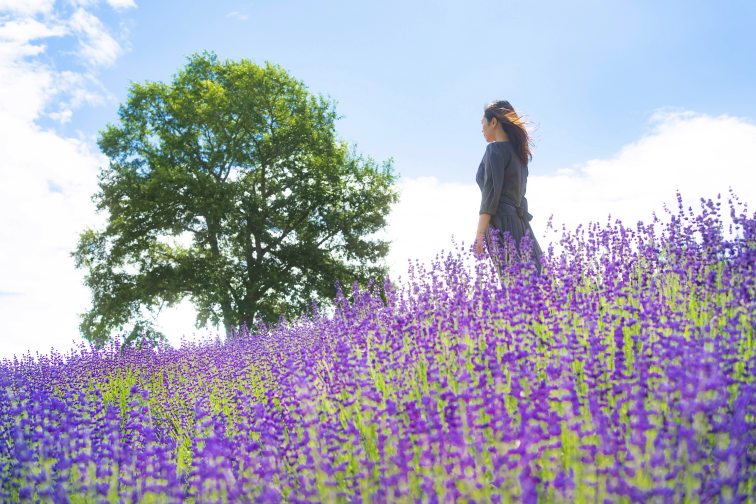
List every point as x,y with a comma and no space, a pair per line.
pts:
228,186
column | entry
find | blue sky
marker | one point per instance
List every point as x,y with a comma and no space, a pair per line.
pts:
410,78
628,102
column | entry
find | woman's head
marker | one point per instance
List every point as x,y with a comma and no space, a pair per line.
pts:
501,114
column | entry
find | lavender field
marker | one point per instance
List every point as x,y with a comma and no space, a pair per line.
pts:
625,373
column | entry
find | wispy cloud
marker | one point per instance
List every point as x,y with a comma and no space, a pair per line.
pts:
26,7
31,83
115,4
239,16
122,4
17,35
96,46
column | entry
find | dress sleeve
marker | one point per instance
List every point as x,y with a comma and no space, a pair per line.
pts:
494,164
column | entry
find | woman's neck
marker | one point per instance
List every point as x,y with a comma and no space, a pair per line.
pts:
501,136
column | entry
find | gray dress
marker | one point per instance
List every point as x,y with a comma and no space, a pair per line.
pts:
502,178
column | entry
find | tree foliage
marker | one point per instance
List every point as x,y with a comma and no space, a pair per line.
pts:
230,187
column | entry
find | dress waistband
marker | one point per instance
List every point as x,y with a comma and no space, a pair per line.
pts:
522,209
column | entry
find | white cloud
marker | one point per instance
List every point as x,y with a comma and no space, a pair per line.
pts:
696,154
45,179
45,184
25,85
429,215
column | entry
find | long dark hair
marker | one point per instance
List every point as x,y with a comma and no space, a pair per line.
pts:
513,125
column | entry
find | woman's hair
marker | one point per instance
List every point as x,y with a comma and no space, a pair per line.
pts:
513,126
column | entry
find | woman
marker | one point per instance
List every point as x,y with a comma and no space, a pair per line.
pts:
502,177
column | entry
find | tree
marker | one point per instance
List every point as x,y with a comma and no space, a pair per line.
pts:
230,187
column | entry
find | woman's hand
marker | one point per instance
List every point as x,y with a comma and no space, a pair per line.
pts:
479,245
484,220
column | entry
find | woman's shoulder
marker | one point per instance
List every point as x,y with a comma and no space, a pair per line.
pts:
499,144
499,149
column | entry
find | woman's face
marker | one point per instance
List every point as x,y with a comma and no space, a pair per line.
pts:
489,128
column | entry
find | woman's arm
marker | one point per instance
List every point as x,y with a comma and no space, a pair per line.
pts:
484,220
494,164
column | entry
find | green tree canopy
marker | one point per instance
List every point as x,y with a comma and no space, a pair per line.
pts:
229,186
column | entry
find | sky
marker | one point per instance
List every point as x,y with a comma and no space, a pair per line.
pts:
627,103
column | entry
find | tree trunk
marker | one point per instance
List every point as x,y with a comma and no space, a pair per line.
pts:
222,284
230,329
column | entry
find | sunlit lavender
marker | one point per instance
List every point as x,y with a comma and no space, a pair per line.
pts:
624,373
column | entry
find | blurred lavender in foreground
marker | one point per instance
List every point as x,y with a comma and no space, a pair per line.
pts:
625,373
